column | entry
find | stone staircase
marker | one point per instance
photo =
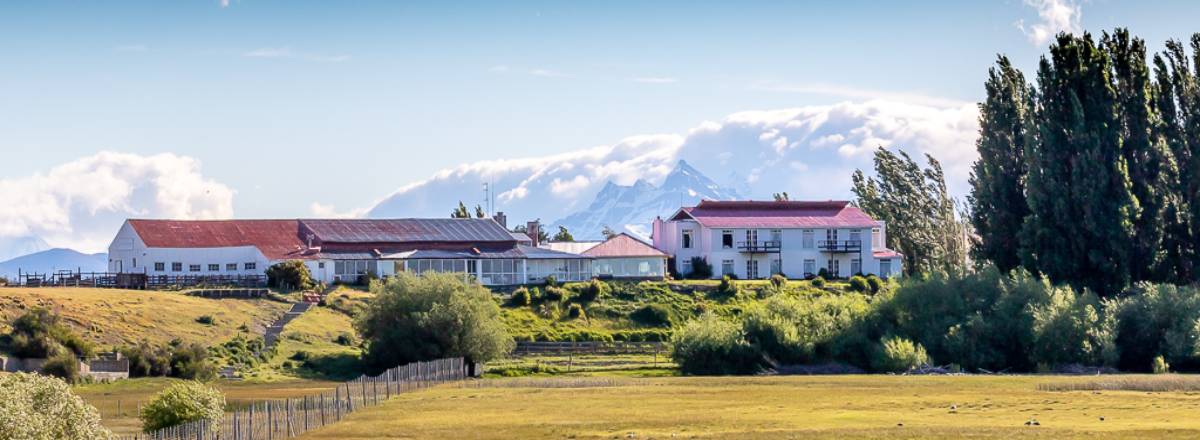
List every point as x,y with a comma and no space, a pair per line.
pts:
272,334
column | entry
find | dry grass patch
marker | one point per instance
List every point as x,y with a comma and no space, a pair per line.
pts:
1148,383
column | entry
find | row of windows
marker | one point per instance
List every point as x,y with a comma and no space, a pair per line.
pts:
807,240
178,267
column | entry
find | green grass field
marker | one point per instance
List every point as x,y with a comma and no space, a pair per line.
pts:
773,407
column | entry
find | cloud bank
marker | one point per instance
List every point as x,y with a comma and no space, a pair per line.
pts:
80,204
809,152
1054,16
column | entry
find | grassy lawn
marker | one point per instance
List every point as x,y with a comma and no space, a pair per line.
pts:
111,317
118,401
772,407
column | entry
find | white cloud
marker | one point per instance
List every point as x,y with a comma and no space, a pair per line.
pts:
809,152
224,3
286,52
656,80
80,204
329,211
1054,16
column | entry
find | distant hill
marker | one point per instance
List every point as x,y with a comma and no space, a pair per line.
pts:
54,260
13,247
632,208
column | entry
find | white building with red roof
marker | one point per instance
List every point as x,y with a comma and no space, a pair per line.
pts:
755,239
621,256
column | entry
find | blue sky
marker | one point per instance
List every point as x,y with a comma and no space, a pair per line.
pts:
289,103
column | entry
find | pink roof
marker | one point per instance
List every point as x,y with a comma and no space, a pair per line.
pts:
276,239
789,214
885,253
623,245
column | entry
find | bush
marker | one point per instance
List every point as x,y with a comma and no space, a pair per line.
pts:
1160,366
344,339
39,333
182,403
859,284
41,407
1070,329
593,290
551,281
898,355
653,315
576,312
727,286
147,361
520,298
818,282
823,273
192,362
289,275
875,283
556,294
435,315
779,281
701,270
712,345
206,320
64,366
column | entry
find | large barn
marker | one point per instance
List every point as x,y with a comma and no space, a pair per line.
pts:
339,250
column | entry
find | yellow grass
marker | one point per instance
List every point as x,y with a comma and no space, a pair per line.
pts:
123,317
773,407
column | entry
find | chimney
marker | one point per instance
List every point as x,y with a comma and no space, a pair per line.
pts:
501,219
532,229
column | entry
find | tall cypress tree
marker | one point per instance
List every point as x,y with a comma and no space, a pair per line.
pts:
1176,98
997,199
1079,193
1152,174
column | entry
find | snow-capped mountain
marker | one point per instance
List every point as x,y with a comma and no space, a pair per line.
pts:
632,208
13,247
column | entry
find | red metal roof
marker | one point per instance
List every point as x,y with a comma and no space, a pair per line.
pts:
885,253
769,214
623,245
408,230
276,239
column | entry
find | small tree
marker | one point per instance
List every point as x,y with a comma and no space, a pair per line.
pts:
63,365
608,232
182,403
701,270
40,333
563,234
435,315
290,274
898,355
41,407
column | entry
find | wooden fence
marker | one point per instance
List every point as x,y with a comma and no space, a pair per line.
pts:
279,419
136,280
525,348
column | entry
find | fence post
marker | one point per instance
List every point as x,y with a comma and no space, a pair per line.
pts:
322,409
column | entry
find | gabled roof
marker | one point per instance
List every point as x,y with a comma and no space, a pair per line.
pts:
574,247
623,245
408,230
276,239
770,214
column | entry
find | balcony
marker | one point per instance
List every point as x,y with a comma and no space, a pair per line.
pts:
758,246
840,246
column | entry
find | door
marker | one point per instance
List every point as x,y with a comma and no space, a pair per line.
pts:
834,268
752,238
751,269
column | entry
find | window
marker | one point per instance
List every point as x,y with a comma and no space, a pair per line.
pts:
193,268
810,267
834,268
726,239
135,262
752,237
176,267
726,267
855,236
807,240
777,237
831,235
855,266
885,268
250,266
160,267
776,266
231,267
686,266
751,269
214,268
687,239
320,265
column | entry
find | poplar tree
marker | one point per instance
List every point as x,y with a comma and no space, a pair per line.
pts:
1176,98
997,199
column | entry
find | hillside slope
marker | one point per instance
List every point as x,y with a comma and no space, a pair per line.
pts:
52,260
111,317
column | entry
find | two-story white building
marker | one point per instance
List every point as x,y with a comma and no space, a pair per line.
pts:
755,239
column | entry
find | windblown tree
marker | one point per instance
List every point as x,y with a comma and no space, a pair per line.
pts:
1176,98
997,198
922,219
462,212
563,234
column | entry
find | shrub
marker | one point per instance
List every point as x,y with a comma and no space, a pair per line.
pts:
875,283
701,270
803,329
1157,320
556,294
1070,328
520,298
859,284
778,281
1160,366
192,362
712,345
146,360
575,311
39,333
727,286
551,281
182,403
289,275
818,282
823,273
41,407
593,290
344,339
435,315
898,355
652,315
63,365
206,320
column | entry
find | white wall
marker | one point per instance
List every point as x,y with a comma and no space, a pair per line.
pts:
128,253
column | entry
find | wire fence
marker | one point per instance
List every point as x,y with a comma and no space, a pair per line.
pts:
279,419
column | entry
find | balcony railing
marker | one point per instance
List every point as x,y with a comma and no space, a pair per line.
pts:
758,246
840,245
